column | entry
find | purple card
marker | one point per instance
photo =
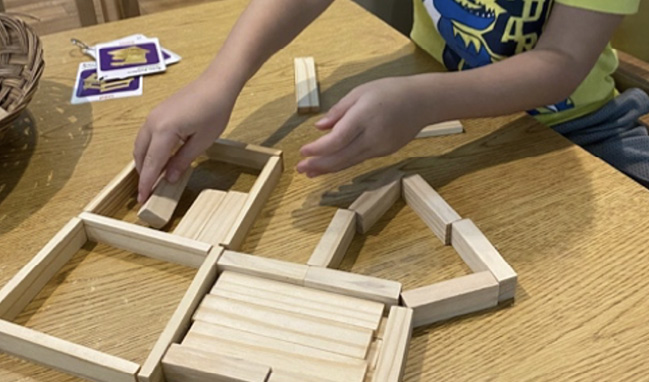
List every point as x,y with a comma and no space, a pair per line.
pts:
129,58
88,87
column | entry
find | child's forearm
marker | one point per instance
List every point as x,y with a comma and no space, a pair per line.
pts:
263,28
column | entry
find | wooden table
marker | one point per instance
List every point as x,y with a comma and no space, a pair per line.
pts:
573,228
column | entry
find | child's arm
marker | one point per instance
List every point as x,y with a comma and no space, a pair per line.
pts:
192,118
378,118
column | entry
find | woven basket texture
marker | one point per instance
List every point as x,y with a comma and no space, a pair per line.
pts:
21,66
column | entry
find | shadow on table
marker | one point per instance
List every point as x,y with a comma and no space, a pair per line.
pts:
43,145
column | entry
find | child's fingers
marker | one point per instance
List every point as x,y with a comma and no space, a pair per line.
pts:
336,112
350,155
184,157
346,130
141,146
155,159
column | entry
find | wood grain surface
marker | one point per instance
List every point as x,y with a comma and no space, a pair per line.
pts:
573,228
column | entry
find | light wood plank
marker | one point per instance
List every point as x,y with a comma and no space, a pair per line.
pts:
375,201
241,154
430,206
29,281
116,192
181,319
480,255
279,375
191,225
184,364
348,308
336,371
440,129
263,267
350,284
304,330
144,241
452,298
394,350
221,220
160,206
63,355
257,197
336,240
306,85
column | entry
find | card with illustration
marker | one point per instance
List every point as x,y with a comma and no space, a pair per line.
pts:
88,87
128,59
168,56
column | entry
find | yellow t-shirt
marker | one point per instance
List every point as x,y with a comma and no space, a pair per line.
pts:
464,34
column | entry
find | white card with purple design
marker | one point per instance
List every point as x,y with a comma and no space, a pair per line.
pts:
119,60
169,57
88,87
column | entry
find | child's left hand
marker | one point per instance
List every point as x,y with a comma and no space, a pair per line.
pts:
373,120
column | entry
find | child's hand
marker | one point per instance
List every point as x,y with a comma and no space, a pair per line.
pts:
375,119
190,121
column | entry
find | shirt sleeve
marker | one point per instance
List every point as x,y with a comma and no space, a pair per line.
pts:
620,7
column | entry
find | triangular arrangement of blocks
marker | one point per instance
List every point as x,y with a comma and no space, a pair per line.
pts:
249,318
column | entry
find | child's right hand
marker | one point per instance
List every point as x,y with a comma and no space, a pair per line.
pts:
178,130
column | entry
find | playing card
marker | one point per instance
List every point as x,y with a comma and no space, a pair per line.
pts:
169,57
88,88
128,59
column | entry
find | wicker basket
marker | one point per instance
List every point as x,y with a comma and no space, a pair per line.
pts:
21,66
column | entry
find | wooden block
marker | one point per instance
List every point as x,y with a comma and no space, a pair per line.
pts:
181,319
184,364
430,206
304,330
334,243
350,284
29,281
335,371
221,220
394,350
380,332
279,375
480,255
116,192
257,197
63,355
157,210
294,305
263,267
346,308
191,225
439,129
245,338
451,298
373,354
144,241
306,85
241,154
374,202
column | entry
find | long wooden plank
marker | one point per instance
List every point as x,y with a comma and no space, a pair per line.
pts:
375,201
283,293
279,375
160,206
293,305
480,255
306,85
310,331
336,240
440,129
29,281
257,197
185,364
191,225
394,349
241,154
115,193
181,319
263,267
220,221
144,241
63,355
430,206
336,371
350,284
452,298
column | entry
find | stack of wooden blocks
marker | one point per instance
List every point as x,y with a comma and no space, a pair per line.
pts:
249,318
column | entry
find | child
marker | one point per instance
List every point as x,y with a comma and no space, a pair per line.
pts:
549,57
